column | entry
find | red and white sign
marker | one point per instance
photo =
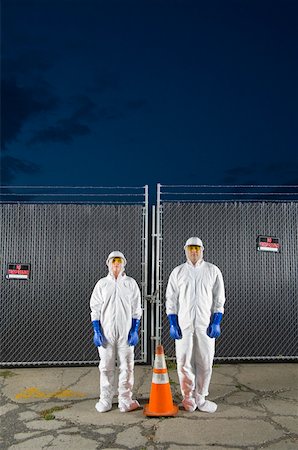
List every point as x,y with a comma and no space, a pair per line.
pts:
268,244
18,271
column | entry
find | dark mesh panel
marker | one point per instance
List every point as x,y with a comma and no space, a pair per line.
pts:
261,287
47,319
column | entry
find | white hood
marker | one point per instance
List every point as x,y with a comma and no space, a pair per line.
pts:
115,254
194,241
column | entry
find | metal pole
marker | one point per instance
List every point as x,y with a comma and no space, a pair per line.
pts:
153,235
153,285
145,274
158,266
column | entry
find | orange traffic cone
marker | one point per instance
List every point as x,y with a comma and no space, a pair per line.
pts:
160,402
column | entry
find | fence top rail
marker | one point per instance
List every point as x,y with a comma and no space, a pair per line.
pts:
227,193
71,187
74,194
229,185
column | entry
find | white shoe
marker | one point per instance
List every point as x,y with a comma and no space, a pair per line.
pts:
189,404
129,406
103,406
206,405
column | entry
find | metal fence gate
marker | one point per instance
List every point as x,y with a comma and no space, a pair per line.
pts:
46,319
260,321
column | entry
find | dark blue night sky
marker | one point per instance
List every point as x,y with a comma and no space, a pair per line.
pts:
137,92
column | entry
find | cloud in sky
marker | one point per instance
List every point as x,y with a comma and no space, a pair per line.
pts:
11,166
66,129
19,104
283,172
63,131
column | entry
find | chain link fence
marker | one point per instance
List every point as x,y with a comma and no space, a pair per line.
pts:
65,242
260,320
46,319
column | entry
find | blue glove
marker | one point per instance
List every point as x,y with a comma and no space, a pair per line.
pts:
98,338
213,331
175,330
133,337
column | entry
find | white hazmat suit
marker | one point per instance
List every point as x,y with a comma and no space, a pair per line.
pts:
115,302
194,293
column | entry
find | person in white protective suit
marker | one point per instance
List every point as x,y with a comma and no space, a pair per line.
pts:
116,313
195,298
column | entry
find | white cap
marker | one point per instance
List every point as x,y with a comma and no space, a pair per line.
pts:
116,254
194,241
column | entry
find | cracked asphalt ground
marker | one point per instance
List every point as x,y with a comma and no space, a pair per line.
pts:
53,408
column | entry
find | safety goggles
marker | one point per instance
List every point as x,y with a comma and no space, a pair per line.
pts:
193,247
117,259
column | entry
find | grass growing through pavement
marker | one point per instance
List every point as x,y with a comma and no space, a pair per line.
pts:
171,365
47,414
7,374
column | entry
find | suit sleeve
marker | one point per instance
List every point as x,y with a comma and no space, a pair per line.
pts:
172,294
218,292
96,302
136,301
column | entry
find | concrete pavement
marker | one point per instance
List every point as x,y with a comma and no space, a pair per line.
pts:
53,408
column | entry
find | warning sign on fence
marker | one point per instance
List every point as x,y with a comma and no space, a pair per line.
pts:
268,244
18,271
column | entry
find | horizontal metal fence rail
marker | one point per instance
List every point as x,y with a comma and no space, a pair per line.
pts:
74,194
46,319
260,320
227,193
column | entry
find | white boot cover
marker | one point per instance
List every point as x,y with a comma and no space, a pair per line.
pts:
103,406
189,404
129,406
206,405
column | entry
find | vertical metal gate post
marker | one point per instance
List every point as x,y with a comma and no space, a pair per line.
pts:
145,243
152,297
158,267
